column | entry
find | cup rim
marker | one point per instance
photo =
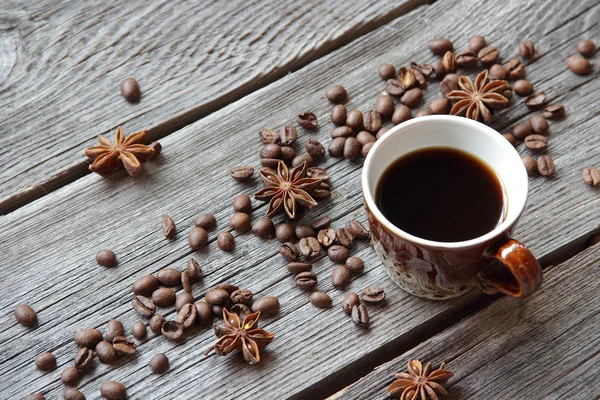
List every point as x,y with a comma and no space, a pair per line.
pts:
483,129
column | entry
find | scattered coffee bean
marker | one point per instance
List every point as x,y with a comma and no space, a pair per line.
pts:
440,106
240,222
225,241
530,165
193,269
34,396
385,105
284,232
303,158
25,315
186,281
394,87
307,120
387,71
536,142
124,346
515,68
263,227
424,69
242,203
349,302
420,77
45,361
287,154
326,237
338,115
216,296
401,114
228,287
289,251
342,131
412,98
358,230
145,285
204,313
270,162
138,330
71,394
88,338
143,305
336,94
156,323
242,172
84,360
187,315
439,70
241,296
320,299
373,295
304,231
351,149
591,176
287,135
183,299
539,124
508,92
579,65
355,265
172,330
130,89
197,238
336,147
511,138
112,390
449,83
159,363
365,137
206,221
449,61
497,71
536,99
586,48
114,328
521,131
523,87
372,119
360,316
309,248
423,113
106,258
297,267
268,136
556,111
314,148
267,305
340,277
168,227
323,191
164,297
106,353
306,280
527,49
345,237
169,277
321,223
440,46
270,150
338,254
476,43
354,120
366,148
468,59
70,376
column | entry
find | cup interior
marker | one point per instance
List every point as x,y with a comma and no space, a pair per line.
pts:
455,132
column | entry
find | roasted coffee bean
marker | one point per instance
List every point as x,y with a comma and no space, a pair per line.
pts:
172,330
556,111
440,46
439,70
228,287
546,165
365,137
527,49
338,115
423,113
225,241
387,71
306,280
304,231
270,162
297,267
354,120
336,147
168,226
309,248
206,221
340,277
25,315
321,223
424,69
476,43
586,48
591,176
71,394
106,353
314,148
268,136
420,77
440,106
240,222
468,59
336,94
345,237
218,310
394,87
242,203
263,227
106,258
197,238
488,55
156,322
523,87
508,92
169,277
449,83
287,154
270,150
34,396
511,138
349,302
186,281
112,390
187,315
372,119
242,172
326,237
366,148
164,297
355,265
88,338
303,158
497,71
539,124
535,100
515,68
385,105
412,98
322,192
70,376
373,295
289,251
536,142
358,230
449,61
241,296
143,306
401,114
145,285
183,299
287,135
284,232
45,361
130,90
84,360
138,330
307,120
320,299
216,296
124,346
338,254
351,149
530,165
521,131
193,269
204,313
114,328
159,363
342,131
360,316
267,305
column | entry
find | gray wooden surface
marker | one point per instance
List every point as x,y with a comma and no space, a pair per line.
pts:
545,347
50,243
61,64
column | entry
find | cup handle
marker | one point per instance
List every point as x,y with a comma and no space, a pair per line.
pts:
517,274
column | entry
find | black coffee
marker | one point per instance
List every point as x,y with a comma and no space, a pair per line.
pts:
441,194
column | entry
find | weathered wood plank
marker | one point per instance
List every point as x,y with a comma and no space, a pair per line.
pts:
51,242
545,347
61,64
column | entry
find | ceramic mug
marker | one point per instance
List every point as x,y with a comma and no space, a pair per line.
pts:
442,270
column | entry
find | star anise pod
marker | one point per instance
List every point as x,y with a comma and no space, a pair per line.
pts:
129,152
420,383
473,100
287,189
244,336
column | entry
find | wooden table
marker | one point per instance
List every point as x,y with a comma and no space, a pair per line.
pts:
212,75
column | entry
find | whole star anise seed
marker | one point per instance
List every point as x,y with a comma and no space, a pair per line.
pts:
420,383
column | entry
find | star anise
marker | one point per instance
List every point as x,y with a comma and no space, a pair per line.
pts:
244,336
129,152
287,189
474,100
420,383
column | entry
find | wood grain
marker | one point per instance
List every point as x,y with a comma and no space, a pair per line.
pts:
50,244
61,64
545,347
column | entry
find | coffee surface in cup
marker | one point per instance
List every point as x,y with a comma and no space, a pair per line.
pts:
441,194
